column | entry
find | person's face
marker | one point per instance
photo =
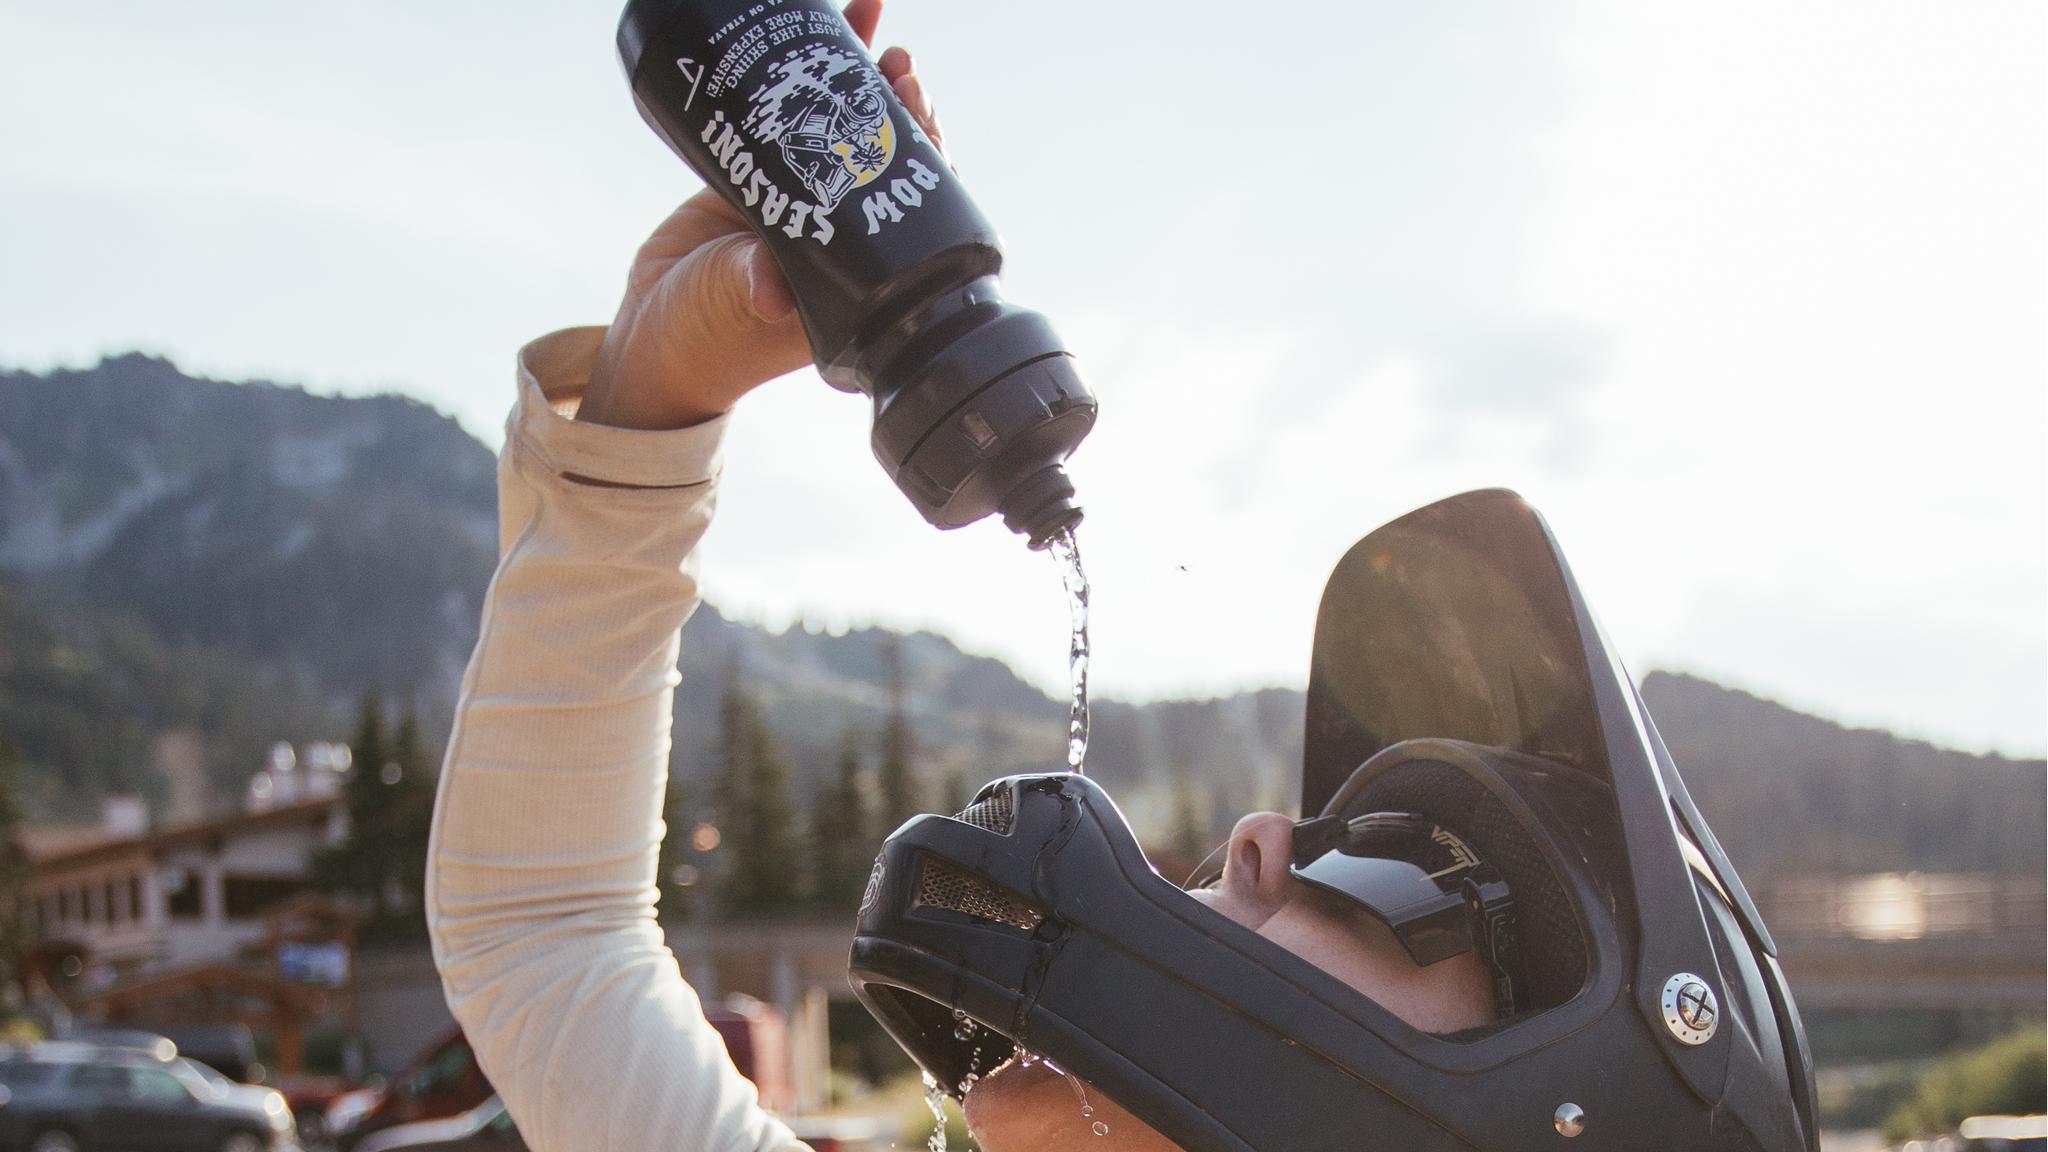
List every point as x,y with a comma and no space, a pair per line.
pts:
1028,1107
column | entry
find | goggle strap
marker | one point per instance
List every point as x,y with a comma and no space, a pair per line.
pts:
1318,835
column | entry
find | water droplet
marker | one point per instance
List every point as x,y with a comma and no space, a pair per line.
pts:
964,1030
1099,1128
1067,551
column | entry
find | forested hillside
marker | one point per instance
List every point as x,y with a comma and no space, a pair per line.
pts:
343,541
1788,792
190,569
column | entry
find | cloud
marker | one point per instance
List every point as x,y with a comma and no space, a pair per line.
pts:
1541,373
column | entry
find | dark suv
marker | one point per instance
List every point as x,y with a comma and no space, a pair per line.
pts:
87,1098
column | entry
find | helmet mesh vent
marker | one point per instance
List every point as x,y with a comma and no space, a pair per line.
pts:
941,885
993,813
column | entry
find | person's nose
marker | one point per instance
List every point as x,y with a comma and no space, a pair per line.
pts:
1255,866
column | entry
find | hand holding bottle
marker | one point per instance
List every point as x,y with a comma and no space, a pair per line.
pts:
707,315
893,273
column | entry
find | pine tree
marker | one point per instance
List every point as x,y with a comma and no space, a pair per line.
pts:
734,788
955,791
382,863
842,837
14,934
411,787
674,871
897,777
350,867
763,872
1189,838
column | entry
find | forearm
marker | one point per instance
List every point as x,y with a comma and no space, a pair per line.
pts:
542,883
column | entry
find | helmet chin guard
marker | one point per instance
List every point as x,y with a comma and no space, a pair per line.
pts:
1457,678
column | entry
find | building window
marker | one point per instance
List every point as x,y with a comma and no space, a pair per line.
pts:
135,899
250,896
115,913
183,888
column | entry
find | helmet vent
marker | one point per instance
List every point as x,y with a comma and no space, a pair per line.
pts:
993,813
942,885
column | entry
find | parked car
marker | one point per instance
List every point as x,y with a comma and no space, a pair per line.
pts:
443,1082
111,1037
488,1128
82,1097
444,1091
2005,1134
484,1128
228,1048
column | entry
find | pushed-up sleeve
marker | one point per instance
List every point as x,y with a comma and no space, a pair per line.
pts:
541,886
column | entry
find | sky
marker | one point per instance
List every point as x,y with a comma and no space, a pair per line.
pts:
1750,299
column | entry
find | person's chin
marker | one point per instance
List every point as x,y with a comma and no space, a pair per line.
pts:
1030,1108
1017,1107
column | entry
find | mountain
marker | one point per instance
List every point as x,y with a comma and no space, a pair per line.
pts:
338,542
191,568
1787,792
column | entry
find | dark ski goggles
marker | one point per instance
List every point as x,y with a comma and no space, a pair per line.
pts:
1426,883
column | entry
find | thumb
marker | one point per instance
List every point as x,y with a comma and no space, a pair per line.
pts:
770,293
730,316
698,329
732,281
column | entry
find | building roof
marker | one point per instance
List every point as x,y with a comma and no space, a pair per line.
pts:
41,842
73,846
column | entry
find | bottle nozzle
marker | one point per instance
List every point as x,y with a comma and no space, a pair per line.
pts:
1042,506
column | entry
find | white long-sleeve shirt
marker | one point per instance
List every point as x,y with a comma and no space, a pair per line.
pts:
541,885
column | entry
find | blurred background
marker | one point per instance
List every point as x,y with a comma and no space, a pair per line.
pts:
1750,300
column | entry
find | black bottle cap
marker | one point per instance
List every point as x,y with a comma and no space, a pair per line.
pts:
1042,506
984,424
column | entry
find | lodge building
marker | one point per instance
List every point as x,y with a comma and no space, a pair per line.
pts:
129,900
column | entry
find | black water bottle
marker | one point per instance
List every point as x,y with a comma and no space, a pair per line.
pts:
776,104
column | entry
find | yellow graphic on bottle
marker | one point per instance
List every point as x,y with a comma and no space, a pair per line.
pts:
826,109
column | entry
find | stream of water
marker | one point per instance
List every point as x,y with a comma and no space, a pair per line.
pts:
1067,552
935,1099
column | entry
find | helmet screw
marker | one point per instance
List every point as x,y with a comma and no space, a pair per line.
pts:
1691,1011
1570,1120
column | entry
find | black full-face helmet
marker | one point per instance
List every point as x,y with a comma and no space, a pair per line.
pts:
1481,776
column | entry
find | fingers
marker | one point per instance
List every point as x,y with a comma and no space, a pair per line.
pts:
897,68
895,63
901,72
863,15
